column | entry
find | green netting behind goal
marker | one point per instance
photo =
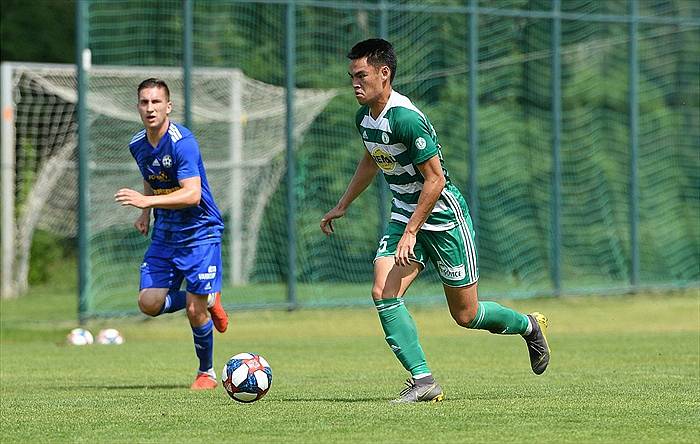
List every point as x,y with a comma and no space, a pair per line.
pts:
514,168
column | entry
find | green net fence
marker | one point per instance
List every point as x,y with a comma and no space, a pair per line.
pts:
239,100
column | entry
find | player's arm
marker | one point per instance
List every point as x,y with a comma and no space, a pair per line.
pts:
189,195
364,174
434,182
143,222
415,132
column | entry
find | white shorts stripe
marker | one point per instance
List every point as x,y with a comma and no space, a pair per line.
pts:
464,228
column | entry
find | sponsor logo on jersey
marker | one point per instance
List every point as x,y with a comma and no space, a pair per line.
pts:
384,160
212,269
167,161
155,163
160,191
420,143
160,177
452,273
208,286
385,138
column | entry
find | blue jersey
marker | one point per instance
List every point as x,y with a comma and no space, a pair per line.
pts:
175,158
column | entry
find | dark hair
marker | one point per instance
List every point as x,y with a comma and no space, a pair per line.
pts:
379,53
154,83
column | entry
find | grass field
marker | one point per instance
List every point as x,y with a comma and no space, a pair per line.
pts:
624,369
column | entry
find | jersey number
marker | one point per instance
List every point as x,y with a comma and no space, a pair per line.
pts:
383,244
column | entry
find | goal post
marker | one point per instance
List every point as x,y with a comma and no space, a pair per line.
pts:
236,184
8,180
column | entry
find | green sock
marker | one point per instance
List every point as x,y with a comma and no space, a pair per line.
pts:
498,319
401,335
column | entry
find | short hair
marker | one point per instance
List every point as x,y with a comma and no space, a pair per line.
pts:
154,83
379,53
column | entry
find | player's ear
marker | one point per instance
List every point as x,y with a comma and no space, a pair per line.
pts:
385,72
169,108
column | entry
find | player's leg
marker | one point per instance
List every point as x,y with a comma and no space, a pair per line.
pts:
218,315
468,312
213,271
201,266
454,255
390,284
203,335
156,301
159,288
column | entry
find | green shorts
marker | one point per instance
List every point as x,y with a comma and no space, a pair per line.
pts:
453,252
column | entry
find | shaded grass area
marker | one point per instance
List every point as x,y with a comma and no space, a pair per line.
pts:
623,369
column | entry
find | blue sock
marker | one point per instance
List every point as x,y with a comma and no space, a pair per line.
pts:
204,345
174,301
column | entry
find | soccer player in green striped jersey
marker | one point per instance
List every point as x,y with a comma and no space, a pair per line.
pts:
429,221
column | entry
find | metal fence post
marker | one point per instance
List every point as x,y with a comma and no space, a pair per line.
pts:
556,146
634,143
82,56
290,54
187,61
473,116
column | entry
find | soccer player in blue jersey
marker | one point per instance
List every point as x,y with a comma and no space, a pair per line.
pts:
429,221
187,227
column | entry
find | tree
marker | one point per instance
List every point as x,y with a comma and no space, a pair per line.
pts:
37,31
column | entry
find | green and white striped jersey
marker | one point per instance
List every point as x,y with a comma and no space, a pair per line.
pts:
398,140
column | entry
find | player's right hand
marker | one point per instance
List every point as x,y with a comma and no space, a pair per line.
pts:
327,220
143,223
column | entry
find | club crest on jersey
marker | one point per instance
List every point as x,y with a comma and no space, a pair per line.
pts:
167,161
364,135
420,143
384,160
385,138
452,273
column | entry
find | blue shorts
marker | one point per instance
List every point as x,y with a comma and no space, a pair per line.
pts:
166,267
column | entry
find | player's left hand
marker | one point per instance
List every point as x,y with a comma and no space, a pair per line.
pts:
327,220
404,249
127,196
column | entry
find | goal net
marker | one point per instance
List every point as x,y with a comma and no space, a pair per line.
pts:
239,123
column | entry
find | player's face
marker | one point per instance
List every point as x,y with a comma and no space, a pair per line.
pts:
367,80
154,107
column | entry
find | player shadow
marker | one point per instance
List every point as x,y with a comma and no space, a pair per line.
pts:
374,399
328,399
137,387
341,399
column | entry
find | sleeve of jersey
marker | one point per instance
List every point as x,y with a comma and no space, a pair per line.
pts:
187,157
358,119
415,134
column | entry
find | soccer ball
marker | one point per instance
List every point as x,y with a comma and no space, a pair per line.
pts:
109,336
79,336
246,377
